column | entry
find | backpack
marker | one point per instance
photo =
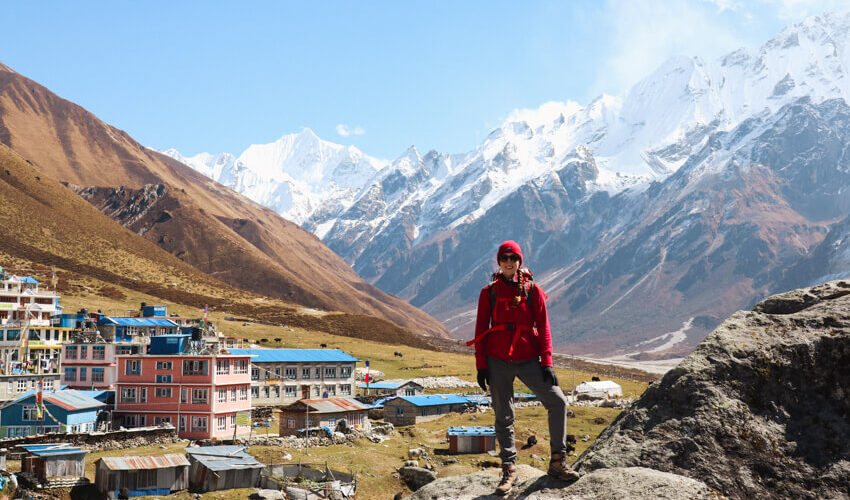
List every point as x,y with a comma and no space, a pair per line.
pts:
526,287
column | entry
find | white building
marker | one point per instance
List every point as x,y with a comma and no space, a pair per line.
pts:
601,389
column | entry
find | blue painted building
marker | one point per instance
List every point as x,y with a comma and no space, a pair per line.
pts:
392,388
66,411
410,410
169,344
123,329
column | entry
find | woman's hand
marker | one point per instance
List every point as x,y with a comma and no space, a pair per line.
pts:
483,379
549,375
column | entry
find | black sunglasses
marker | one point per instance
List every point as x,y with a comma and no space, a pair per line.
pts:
506,257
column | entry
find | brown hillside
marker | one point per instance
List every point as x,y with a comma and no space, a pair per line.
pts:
202,222
45,224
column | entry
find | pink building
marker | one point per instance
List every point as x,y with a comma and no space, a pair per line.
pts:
93,365
199,394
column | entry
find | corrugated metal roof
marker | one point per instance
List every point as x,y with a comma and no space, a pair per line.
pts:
332,405
52,449
472,431
137,321
387,384
434,399
295,355
68,399
218,458
147,462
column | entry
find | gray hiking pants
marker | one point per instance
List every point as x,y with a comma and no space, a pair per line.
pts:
502,374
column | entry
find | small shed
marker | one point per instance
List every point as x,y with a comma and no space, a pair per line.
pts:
54,464
410,410
222,468
471,439
148,475
392,388
599,389
67,410
326,412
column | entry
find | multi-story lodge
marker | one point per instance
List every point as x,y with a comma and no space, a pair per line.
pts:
29,344
199,391
283,376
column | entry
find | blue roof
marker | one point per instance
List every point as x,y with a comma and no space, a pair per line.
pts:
435,399
136,321
29,279
68,399
42,450
472,431
295,355
386,384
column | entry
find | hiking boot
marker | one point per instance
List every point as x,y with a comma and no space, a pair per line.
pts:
508,478
559,468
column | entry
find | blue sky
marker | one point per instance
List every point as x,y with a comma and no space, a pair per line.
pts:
219,76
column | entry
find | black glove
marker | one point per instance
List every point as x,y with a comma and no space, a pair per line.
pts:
549,375
483,379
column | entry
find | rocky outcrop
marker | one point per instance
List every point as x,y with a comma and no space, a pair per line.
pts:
759,410
606,484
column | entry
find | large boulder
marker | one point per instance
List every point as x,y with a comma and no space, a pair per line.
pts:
416,477
761,408
604,484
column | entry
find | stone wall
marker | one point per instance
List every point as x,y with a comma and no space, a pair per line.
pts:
96,441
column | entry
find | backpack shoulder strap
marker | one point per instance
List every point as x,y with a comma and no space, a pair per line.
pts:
492,289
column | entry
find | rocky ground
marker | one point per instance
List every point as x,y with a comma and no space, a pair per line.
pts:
759,410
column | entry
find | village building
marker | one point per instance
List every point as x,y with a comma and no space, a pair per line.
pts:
392,388
603,389
326,412
198,392
53,465
471,439
124,329
410,410
64,411
283,376
141,476
29,344
214,468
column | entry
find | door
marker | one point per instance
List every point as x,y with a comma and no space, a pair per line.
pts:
305,392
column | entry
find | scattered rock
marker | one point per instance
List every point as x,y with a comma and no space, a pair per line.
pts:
585,438
537,457
267,495
450,461
416,477
600,421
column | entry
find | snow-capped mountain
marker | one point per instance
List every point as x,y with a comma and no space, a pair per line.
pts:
298,175
693,194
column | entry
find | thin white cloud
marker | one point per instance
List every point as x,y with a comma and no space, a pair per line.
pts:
345,131
795,10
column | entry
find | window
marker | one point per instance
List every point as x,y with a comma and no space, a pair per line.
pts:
70,374
199,396
98,352
129,421
163,379
345,389
35,334
316,391
84,349
221,423
128,394
143,395
243,393
241,366
305,373
277,391
48,385
330,372
161,420
410,392
399,411
255,374
291,373
318,372
255,392
133,367
345,372
97,374
277,372
331,390
123,350
290,423
163,365
182,423
184,395
82,374
195,367
70,351
222,367
290,391
222,395
233,393
331,422
233,420
266,392
30,413
199,423
163,392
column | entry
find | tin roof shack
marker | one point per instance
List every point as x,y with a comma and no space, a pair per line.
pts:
54,465
309,481
157,475
471,439
599,390
410,410
392,388
327,412
67,410
222,468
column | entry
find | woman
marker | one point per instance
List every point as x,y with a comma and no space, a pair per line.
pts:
507,347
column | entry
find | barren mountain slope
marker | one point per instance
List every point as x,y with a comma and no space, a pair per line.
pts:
210,227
